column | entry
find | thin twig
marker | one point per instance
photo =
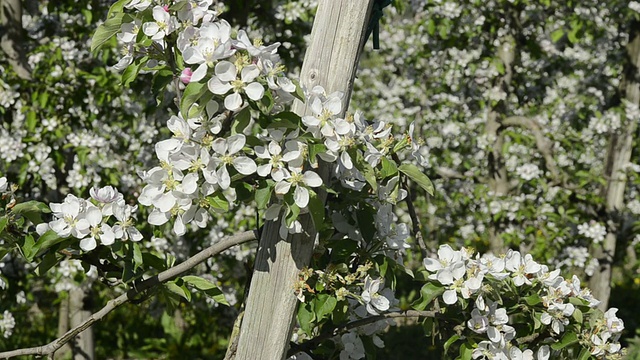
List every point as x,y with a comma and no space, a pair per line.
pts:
225,243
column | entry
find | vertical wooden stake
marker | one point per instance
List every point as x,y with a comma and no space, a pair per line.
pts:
331,61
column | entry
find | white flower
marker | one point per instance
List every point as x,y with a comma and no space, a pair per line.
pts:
227,79
635,6
98,230
299,181
7,323
376,301
70,218
164,24
521,268
3,184
593,230
226,153
528,172
353,347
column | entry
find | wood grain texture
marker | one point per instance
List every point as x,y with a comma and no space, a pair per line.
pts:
331,61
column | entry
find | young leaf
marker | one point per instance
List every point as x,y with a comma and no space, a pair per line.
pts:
568,339
316,209
218,202
324,305
428,292
191,94
263,195
105,31
417,176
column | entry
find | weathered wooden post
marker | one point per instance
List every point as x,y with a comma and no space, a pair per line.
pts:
331,60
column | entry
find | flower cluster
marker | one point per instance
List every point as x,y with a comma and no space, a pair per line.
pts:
88,219
491,282
593,230
7,323
213,145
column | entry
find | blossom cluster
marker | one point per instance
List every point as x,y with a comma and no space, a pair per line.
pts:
593,230
489,280
211,149
7,323
89,219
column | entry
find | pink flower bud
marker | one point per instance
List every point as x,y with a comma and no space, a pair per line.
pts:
185,76
166,8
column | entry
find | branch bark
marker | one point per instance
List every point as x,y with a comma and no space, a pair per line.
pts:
618,156
331,61
12,39
542,143
50,348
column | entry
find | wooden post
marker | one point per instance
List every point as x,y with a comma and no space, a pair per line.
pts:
330,61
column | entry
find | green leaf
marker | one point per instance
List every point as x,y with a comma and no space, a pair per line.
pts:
292,214
557,35
466,350
31,121
178,290
3,224
428,292
198,282
389,168
191,94
241,121
137,255
366,221
323,305
450,342
131,72
299,93
105,31
532,300
568,339
263,195
47,240
49,261
577,315
584,354
316,209
218,202
306,317
417,176
27,248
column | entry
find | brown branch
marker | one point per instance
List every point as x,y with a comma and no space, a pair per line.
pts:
306,346
225,243
11,40
542,143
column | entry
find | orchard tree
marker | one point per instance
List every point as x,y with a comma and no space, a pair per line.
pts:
336,199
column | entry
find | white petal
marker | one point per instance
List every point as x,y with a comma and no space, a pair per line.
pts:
200,73
244,165
311,179
254,91
249,73
282,187
224,180
226,71
233,101
88,244
301,196
450,297
216,86
157,217
236,143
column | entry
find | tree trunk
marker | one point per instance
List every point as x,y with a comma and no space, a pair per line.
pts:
618,156
63,327
331,61
11,37
83,346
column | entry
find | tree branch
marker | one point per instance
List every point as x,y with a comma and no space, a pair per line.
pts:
542,143
306,346
149,283
11,40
